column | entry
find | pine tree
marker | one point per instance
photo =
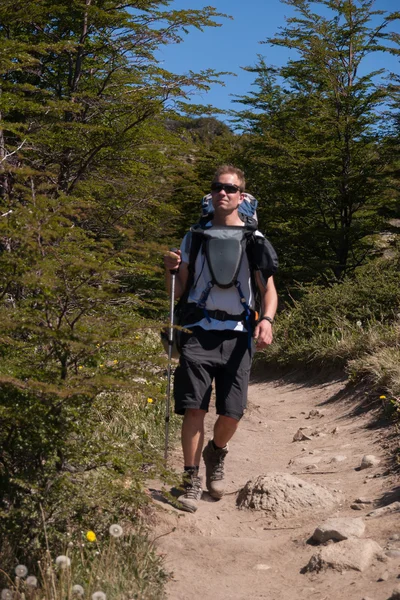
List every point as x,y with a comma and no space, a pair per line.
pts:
84,152
314,148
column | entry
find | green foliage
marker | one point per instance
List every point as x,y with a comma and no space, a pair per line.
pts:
316,149
85,155
209,143
353,324
80,457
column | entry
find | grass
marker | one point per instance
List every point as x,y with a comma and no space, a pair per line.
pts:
120,566
353,325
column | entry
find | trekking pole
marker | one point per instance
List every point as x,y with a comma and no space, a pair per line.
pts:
170,345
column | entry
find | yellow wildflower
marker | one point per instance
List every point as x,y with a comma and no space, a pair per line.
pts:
80,367
91,536
115,362
101,366
382,397
150,400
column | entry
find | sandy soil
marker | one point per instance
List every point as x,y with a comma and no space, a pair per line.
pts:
222,553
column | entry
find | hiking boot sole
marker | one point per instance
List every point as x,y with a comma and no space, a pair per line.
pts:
187,508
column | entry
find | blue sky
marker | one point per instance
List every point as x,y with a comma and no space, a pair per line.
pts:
237,42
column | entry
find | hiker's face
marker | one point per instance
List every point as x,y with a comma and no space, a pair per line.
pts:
226,200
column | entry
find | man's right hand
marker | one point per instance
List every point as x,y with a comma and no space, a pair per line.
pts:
172,260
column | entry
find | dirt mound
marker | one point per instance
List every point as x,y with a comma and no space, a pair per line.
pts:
281,495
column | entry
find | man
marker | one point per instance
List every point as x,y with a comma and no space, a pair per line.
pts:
216,349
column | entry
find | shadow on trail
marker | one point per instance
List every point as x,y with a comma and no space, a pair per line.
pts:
390,497
304,377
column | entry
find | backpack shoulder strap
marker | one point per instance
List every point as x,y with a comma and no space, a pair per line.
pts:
249,222
193,244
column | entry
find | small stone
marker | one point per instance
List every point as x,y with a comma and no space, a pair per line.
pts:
384,576
261,567
357,506
315,413
369,460
339,458
335,430
300,436
395,537
363,501
393,553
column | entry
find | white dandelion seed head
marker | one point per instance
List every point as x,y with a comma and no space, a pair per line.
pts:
31,580
99,596
63,561
78,589
359,324
21,571
6,594
116,530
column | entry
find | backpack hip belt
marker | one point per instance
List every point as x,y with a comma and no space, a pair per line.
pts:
195,313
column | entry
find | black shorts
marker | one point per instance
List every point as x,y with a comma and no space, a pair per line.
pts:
223,356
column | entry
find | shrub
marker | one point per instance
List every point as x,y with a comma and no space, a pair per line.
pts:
353,324
80,451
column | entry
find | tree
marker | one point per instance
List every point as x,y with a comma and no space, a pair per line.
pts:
313,149
83,154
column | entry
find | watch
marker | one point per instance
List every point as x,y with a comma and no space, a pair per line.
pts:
269,319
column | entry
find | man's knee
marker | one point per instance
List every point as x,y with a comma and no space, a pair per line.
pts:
195,414
224,421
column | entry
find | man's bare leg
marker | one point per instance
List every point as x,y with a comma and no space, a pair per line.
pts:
193,436
224,429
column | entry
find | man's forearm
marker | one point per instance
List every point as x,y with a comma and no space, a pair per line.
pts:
179,288
269,298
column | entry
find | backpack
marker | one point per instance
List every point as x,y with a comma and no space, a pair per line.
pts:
224,247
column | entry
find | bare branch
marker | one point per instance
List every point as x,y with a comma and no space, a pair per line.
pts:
8,154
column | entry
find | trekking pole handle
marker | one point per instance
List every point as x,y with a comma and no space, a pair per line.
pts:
174,271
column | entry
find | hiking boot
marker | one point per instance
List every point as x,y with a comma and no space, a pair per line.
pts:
214,461
193,491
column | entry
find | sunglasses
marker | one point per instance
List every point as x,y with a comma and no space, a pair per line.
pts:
229,188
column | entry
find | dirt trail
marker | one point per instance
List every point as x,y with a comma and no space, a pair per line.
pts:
222,553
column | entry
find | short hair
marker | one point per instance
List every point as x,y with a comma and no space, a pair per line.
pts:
230,169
